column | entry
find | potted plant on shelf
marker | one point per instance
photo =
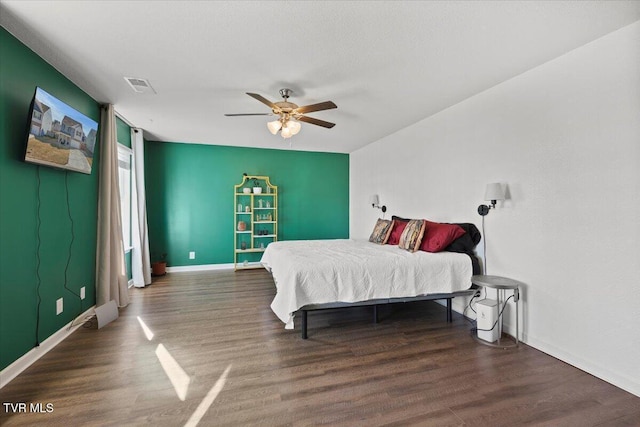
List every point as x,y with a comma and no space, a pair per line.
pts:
159,268
256,187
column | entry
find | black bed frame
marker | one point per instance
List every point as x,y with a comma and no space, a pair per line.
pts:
376,302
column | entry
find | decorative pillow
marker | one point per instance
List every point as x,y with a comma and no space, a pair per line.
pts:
438,236
467,242
412,235
396,231
381,231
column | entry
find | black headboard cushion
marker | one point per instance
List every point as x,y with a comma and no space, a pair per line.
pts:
467,243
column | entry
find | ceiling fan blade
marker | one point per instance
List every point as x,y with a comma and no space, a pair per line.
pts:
263,100
249,114
317,122
327,105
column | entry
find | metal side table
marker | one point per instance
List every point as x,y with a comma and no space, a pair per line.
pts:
502,285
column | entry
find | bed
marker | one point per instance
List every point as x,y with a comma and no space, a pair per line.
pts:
319,274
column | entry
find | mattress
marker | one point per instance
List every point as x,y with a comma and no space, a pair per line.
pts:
309,272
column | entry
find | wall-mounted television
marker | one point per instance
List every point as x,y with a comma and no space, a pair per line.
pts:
60,136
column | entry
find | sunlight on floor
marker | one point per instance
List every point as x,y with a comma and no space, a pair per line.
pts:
180,380
208,399
176,374
145,329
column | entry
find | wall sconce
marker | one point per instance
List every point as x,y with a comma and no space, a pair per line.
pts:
494,192
375,203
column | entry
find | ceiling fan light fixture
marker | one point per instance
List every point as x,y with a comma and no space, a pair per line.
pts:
294,127
274,126
289,114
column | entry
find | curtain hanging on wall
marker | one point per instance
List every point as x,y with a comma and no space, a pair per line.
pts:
140,260
111,277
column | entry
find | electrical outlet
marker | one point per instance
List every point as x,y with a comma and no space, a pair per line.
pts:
59,306
82,294
192,255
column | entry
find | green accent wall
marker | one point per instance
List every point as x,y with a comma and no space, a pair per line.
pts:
189,196
190,202
26,240
123,131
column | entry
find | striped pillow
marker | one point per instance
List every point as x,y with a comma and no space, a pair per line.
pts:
381,231
412,235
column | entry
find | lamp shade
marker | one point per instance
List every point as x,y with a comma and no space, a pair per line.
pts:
494,192
274,126
293,126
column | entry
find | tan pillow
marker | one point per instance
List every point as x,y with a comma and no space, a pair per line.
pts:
412,235
381,231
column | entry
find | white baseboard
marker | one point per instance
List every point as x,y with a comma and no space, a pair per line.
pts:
598,371
605,374
13,370
203,267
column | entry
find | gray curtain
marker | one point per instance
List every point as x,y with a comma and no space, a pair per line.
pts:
111,276
140,260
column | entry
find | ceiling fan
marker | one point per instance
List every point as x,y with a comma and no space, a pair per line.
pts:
290,115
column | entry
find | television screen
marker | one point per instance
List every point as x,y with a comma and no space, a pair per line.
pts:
60,136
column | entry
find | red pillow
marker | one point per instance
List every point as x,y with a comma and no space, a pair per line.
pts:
396,231
438,236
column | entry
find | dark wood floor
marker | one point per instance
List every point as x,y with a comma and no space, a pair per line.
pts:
412,368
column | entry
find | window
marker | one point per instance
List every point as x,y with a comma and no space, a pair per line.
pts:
124,181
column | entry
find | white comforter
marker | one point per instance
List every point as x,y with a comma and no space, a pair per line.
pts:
326,271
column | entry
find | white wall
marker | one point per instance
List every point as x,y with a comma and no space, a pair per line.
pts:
565,138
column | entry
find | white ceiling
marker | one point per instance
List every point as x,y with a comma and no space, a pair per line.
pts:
386,64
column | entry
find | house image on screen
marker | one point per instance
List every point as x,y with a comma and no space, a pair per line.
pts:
90,143
42,119
71,134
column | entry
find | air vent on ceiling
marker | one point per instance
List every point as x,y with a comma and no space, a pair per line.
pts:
140,85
